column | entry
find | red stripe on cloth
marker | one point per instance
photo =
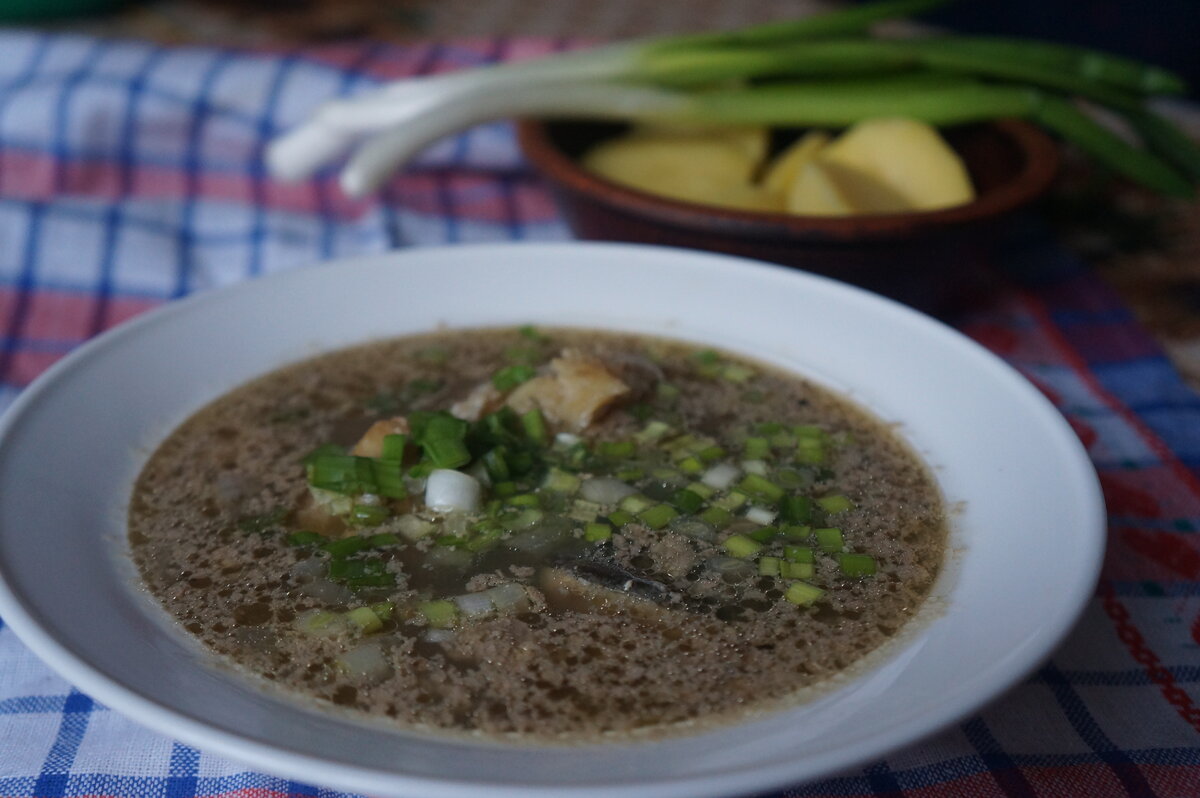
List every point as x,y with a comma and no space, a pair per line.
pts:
58,316
1140,650
475,197
26,366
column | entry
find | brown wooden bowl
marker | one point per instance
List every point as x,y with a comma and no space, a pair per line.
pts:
933,260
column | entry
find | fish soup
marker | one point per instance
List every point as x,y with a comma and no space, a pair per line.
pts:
538,534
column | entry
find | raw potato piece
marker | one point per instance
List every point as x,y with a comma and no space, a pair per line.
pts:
785,168
706,168
907,156
829,189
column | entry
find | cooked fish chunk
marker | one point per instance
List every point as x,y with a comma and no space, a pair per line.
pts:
576,392
371,443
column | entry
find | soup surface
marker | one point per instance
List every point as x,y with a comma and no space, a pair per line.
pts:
539,533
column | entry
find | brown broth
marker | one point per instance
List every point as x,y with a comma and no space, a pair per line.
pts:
705,634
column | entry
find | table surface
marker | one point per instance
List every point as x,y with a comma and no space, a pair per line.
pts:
130,175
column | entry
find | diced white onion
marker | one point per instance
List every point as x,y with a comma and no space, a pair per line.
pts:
720,476
567,438
414,527
755,467
366,661
438,636
474,605
447,490
370,498
605,490
508,598
760,515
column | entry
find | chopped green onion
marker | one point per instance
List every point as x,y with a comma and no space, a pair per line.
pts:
653,431
383,610
756,448
741,546
761,487
796,570
496,466
835,504
383,539
856,564
389,478
701,490
365,619
795,509
731,501
503,489
304,538
523,500
802,593
369,514
535,427
687,501
830,539
440,613
736,372
510,377
532,333
596,532
621,517
768,566
797,532
658,516
583,510
717,516
561,481
634,503
344,547
393,447
711,454
764,534
443,437
798,554
616,449
342,473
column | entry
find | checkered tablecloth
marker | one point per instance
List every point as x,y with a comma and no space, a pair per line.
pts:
131,175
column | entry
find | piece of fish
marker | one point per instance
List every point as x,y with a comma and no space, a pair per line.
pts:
576,391
586,586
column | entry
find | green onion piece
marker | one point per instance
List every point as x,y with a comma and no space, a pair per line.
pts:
369,514
634,503
582,510
561,481
383,610
595,532
653,431
523,500
496,466
764,534
691,465
532,333
304,538
383,539
321,451
442,437
616,449
731,501
534,424
510,377
701,490
835,504
796,570
736,372
741,546
810,451
342,473
798,554
830,539
365,619
795,509
768,566
797,532
711,454
503,489
440,613
658,516
319,622
708,357
717,516
389,478
687,501
760,487
802,593
621,517
393,447
630,474
666,392
756,448
421,470
856,564
344,547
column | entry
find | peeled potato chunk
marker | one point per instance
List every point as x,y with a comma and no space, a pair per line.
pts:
829,189
781,173
699,168
907,156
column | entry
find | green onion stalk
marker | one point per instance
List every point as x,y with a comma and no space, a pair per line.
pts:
824,70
